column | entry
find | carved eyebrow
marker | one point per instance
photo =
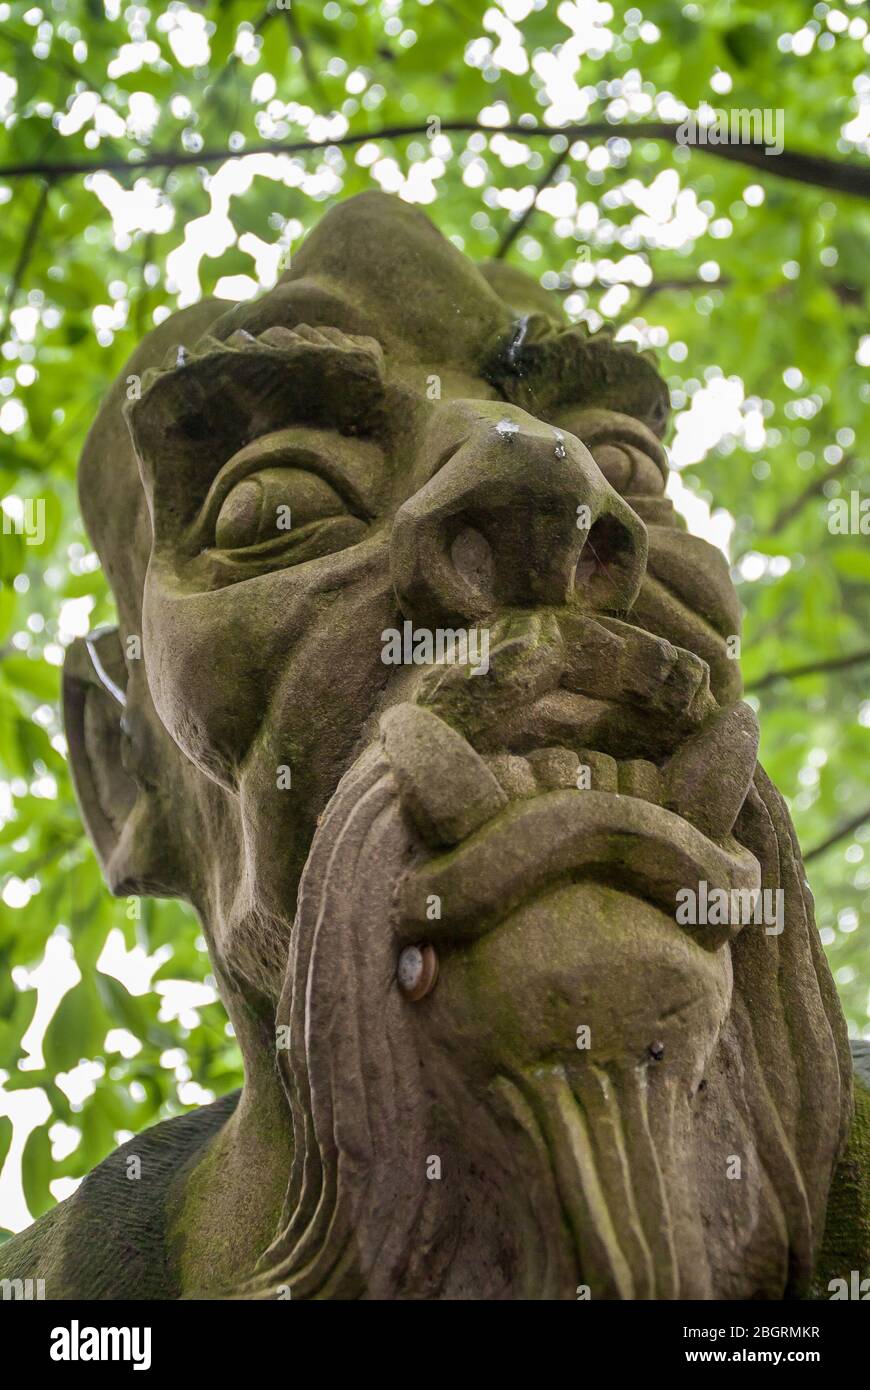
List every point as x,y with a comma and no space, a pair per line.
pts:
542,370
232,391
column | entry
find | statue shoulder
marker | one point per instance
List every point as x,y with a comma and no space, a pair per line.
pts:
109,1239
846,1245
861,1061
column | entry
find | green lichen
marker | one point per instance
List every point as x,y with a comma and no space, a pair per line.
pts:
846,1243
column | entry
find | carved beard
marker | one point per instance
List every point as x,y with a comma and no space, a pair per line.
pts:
435,1160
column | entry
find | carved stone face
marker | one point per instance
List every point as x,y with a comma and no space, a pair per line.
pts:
386,448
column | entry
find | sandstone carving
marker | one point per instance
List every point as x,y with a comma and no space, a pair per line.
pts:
437,724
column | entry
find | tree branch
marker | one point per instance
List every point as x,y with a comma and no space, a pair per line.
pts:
57,59
839,834
233,60
28,246
836,663
838,175
662,286
516,226
298,38
775,625
787,514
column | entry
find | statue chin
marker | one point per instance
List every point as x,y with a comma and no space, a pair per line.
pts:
598,1019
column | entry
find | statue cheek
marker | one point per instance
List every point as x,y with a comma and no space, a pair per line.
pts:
210,670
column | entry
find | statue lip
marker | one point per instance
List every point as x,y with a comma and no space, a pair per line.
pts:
532,844
505,843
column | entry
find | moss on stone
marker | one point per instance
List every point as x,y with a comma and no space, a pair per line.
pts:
846,1243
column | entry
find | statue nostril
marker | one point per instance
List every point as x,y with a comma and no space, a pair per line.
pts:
607,549
473,560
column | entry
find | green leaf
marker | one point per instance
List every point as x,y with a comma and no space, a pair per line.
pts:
77,1030
5,1138
36,1171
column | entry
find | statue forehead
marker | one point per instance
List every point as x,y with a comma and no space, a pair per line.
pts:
378,268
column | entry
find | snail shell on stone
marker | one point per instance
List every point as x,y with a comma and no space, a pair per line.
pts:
417,971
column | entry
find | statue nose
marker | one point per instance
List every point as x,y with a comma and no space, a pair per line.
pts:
519,515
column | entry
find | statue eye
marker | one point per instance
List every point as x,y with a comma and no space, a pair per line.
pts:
272,503
615,464
628,469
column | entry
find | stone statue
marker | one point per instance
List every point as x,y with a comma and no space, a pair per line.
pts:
425,699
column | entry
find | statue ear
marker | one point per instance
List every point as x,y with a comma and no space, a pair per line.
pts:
123,816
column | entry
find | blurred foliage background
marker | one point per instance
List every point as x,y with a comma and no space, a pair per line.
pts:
151,154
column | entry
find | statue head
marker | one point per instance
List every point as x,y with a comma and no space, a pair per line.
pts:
424,698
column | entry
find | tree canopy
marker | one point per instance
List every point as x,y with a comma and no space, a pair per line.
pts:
150,155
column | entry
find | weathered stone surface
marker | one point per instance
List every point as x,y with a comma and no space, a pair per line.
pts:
486,1055
445,785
